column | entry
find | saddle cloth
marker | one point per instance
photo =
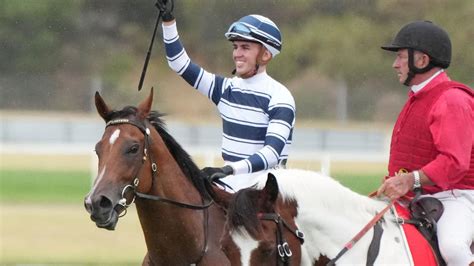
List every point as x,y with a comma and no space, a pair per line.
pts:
420,249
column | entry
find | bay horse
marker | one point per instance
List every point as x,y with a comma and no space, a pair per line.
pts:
139,161
328,214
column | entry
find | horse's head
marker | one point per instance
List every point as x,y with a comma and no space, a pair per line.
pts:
122,153
260,227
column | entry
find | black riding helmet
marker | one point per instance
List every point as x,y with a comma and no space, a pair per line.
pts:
426,37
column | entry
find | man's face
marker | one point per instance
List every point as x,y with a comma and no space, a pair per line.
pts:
401,63
245,57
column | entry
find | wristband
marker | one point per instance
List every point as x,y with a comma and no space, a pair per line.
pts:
417,183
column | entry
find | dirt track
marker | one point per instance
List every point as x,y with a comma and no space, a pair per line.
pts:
46,234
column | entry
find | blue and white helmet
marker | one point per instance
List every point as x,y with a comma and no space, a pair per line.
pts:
256,28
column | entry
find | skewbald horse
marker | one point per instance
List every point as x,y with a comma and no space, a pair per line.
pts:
328,214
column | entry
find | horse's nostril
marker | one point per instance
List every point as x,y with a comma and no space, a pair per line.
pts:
105,203
88,207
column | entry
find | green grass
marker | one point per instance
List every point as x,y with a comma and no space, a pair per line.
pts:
21,186
362,184
27,186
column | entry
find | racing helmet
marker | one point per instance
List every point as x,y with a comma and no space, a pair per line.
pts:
256,28
426,37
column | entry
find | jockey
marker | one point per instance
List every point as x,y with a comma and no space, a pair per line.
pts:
433,138
258,112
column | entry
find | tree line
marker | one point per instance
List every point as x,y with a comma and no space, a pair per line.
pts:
52,51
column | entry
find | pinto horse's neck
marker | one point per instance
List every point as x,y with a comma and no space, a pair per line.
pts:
170,231
330,215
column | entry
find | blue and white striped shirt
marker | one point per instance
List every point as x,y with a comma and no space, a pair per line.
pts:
258,113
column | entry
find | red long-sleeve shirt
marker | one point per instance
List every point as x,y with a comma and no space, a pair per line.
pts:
452,128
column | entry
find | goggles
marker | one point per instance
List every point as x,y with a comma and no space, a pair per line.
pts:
238,29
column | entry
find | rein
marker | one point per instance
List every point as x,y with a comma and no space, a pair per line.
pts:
373,222
122,203
284,251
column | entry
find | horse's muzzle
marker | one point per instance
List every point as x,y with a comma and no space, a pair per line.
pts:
102,211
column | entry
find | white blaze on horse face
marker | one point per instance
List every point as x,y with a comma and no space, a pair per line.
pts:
114,136
97,180
246,244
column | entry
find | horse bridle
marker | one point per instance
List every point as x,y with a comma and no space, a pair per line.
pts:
154,170
122,204
284,251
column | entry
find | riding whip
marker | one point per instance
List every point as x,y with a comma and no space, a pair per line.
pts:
147,59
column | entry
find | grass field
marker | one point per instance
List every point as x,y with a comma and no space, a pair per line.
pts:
63,234
43,221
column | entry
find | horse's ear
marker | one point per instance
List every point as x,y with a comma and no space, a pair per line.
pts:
101,106
220,196
144,107
271,188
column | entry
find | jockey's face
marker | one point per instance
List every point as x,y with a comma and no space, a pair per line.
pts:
245,56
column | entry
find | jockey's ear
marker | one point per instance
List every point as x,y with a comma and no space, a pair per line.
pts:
267,56
264,56
101,106
271,188
144,107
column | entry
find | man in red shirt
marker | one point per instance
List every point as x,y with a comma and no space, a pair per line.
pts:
433,138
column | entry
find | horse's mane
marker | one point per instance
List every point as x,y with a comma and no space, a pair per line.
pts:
242,211
184,160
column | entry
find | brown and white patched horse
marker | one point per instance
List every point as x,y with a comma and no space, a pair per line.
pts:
328,214
140,162
260,228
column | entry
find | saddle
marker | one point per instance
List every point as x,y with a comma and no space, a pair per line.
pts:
425,213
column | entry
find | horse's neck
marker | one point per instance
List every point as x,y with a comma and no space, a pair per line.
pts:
165,225
168,235
337,215
328,213
323,196
171,181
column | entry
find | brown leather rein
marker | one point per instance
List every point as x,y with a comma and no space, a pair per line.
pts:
373,222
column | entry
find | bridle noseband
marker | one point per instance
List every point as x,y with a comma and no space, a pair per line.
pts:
284,251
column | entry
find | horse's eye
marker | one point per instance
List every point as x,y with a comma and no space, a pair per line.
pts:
134,149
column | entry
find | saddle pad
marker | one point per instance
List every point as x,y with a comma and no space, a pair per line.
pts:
420,249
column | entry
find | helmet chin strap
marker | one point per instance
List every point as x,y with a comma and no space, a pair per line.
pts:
413,70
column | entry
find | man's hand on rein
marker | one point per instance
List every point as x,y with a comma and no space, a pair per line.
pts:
396,186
